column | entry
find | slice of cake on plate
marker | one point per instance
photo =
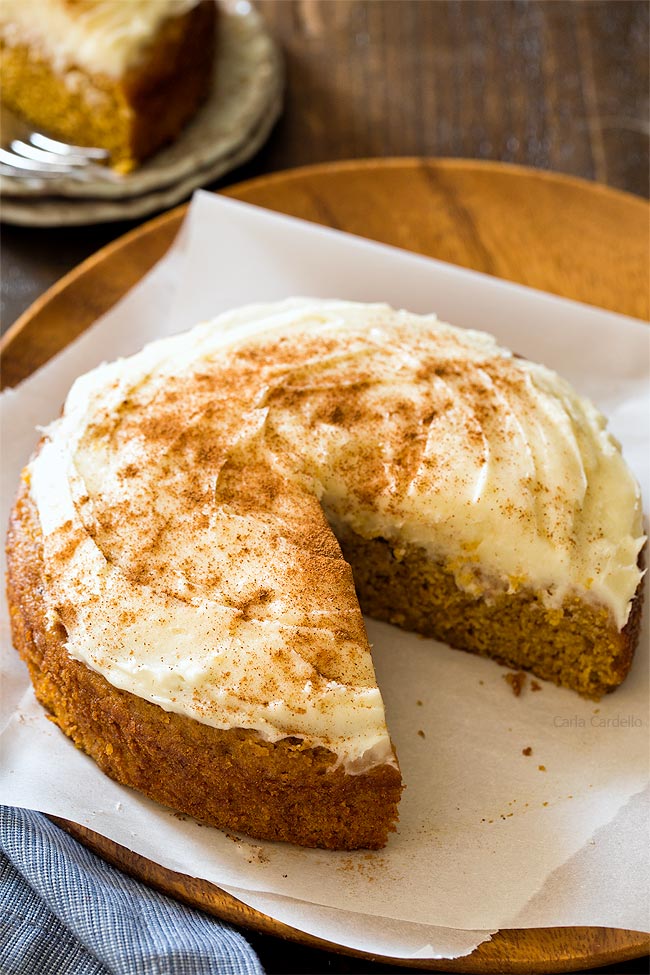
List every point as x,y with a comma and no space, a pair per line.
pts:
122,75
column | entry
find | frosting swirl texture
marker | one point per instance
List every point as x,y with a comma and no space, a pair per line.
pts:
186,497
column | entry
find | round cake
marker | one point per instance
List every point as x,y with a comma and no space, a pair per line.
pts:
197,535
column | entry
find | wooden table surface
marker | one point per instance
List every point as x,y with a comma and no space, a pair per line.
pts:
554,84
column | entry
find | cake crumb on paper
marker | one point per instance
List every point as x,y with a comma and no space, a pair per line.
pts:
527,750
517,681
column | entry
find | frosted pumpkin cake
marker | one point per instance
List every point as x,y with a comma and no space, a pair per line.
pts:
196,537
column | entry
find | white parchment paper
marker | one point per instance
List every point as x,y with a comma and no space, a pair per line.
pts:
489,837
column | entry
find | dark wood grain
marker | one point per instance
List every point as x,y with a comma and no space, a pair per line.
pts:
554,84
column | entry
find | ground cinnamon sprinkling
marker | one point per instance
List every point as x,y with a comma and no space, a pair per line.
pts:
516,680
242,484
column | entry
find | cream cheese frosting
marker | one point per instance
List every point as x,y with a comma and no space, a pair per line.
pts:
185,498
101,36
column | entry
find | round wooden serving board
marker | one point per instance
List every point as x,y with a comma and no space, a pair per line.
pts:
576,239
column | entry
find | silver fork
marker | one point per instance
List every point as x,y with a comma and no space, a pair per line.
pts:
29,155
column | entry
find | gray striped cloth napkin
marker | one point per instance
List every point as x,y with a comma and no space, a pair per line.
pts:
63,911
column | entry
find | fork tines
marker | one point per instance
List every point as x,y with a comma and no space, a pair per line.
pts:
33,155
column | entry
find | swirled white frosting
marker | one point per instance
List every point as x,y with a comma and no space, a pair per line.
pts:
101,36
182,498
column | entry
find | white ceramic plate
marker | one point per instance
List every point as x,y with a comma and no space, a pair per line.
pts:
61,212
